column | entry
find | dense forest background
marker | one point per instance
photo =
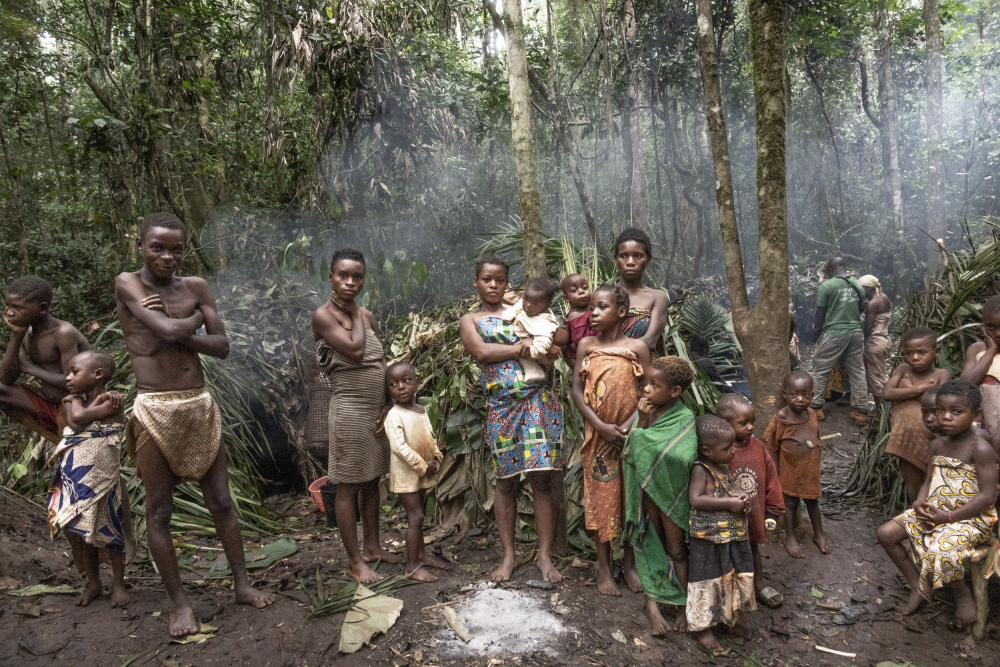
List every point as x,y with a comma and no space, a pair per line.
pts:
279,131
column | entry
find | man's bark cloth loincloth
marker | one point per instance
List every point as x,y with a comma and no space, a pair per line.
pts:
657,460
185,425
87,497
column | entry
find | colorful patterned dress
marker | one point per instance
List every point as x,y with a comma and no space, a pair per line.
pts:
524,422
636,325
610,389
720,563
943,550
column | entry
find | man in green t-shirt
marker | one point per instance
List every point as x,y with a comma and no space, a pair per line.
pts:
839,304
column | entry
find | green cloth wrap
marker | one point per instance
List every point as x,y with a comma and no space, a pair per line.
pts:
658,460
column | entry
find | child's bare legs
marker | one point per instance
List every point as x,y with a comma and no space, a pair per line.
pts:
628,565
368,498
605,579
816,519
541,493
415,537
505,511
791,522
346,509
758,568
119,594
965,605
913,478
674,543
891,536
92,570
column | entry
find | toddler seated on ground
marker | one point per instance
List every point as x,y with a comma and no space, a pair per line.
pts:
793,441
531,317
414,462
720,564
954,511
88,501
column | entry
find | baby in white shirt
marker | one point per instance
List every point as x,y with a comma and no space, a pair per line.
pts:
531,317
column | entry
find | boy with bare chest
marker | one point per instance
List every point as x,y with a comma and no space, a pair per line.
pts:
41,346
175,432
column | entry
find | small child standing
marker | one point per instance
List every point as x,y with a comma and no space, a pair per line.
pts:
793,441
606,392
720,572
531,317
415,461
576,294
88,501
909,441
954,511
753,474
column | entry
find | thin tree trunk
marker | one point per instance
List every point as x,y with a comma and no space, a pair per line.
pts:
890,124
635,152
935,179
524,144
762,330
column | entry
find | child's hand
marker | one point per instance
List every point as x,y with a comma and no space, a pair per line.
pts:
738,504
381,418
991,344
433,467
13,327
115,398
645,407
70,398
610,434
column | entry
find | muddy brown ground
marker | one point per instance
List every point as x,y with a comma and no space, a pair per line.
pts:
43,630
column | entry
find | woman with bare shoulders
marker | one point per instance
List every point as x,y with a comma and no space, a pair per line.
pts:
647,315
524,421
349,352
878,347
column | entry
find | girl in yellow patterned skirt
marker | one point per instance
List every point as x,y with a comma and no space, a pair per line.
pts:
954,512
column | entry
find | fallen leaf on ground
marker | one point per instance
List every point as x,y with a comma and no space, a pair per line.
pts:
456,624
266,556
44,589
817,593
618,636
370,614
205,632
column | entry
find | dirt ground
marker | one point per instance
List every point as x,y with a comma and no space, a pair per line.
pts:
845,601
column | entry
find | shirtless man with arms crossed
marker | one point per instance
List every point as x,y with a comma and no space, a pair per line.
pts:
174,433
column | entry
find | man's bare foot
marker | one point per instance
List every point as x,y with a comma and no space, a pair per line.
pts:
792,547
820,541
657,623
965,609
708,639
119,595
419,574
606,584
549,571
382,554
363,573
183,622
249,595
430,560
633,580
506,569
913,604
89,594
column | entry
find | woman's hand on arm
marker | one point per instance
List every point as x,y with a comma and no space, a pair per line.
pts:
351,343
482,351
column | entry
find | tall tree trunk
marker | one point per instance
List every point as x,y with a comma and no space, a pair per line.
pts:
524,144
763,329
890,134
935,178
635,152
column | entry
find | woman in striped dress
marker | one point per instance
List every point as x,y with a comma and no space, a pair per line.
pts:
349,352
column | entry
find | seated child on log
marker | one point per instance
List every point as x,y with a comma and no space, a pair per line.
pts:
88,501
793,441
576,294
982,365
606,392
954,511
531,317
909,439
657,459
720,570
754,474
415,461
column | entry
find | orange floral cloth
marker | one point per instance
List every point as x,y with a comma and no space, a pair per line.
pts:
611,390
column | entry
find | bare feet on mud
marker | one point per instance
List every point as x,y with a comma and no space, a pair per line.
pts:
363,573
708,639
657,623
632,579
506,569
382,554
965,609
913,604
89,594
119,595
249,595
430,560
183,622
548,570
820,541
606,584
681,622
792,547
420,574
